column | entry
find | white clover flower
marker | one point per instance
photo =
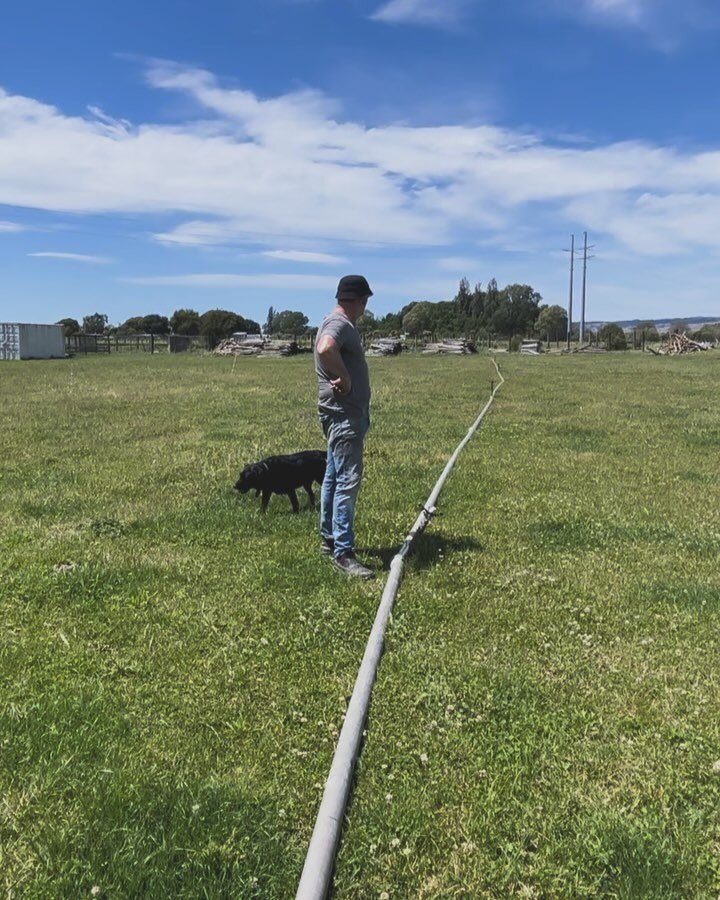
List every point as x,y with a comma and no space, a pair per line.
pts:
395,843
388,798
195,807
95,890
424,758
716,767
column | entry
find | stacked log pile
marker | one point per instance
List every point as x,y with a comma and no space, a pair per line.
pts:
451,347
678,344
389,346
255,346
280,348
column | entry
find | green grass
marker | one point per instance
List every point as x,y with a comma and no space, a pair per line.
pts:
174,666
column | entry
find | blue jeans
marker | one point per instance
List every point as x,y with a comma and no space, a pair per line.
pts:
343,474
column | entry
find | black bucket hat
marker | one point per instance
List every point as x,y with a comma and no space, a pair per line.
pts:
353,287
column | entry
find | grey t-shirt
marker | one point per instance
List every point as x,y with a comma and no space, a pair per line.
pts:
345,335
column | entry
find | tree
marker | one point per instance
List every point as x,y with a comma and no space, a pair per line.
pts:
367,323
289,322
464,298
185,321
613,336
390,324
707,333
492,301
679,326
95,324
133,325
418,319
552,322
477,303
647,331
70,326
502,320
152,324
269,322
216,324
155,324
524,303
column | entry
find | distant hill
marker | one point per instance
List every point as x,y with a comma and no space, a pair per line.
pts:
694,322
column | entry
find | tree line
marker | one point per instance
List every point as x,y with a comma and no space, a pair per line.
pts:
515,311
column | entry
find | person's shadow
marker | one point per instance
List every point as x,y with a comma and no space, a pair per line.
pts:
427,550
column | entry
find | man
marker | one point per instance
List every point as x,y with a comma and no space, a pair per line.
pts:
344,409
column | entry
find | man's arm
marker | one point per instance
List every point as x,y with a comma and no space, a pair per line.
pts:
329,354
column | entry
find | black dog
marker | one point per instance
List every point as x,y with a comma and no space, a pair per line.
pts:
283,475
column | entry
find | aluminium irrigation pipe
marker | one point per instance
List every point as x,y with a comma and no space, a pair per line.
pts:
320,859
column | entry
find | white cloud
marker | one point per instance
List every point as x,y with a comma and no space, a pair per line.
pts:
289,168
665,22
304,256
421,12
74,257
10,227
458,264
232,280
630,10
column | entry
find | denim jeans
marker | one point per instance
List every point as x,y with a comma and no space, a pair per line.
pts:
343,474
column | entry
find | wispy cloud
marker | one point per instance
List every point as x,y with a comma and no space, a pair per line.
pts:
666,23
633,11
74,257
304,256
232,280
422,12
10,227
272,171
461,264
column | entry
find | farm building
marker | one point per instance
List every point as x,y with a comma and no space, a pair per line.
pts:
22,341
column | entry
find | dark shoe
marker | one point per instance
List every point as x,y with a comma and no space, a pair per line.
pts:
348,564
327,545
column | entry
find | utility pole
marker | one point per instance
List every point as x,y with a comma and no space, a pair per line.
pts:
584,280
570,300
582,311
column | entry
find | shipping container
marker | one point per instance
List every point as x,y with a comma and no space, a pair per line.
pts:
21,341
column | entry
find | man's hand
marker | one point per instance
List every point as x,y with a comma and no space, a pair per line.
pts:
329,354
341,385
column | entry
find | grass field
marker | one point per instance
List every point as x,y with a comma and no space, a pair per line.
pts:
174,666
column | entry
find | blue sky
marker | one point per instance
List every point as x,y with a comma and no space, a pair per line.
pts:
247,154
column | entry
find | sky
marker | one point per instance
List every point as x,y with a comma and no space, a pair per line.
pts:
165,155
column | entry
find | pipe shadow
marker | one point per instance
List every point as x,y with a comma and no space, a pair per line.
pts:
428,550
